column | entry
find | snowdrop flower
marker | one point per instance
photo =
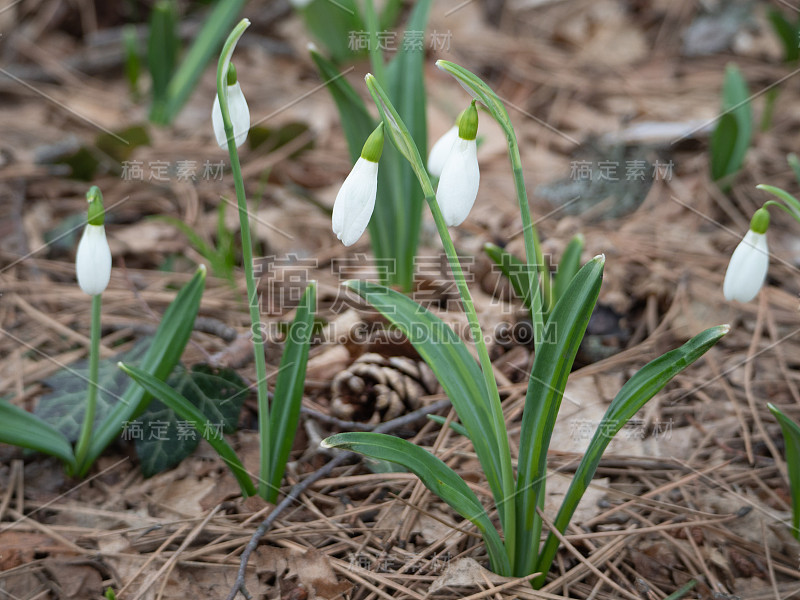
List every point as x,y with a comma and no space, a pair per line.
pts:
441,150
239,113
93,259
356,198
748,267
458,184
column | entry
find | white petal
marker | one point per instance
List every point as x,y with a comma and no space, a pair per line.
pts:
240,117
458,185
93,260
441,150
748,268
355,201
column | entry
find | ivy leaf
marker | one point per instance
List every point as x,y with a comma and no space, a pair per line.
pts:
63,408
163,439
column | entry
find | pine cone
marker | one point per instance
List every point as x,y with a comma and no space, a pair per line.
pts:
376,388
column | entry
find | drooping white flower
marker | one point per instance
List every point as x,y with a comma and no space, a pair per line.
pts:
747,270
238,110
93,258
458,184
355,201
441,150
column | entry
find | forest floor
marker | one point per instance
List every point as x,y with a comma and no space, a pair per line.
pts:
694,489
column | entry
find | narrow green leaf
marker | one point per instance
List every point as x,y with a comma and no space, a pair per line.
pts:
162,49
723,142
514,269
337,25
640,388
787,33
164,439
792,203
133,63
357,125
551,368
457,427
20,428
437,477
794,162
406,87
171,337
197,419
568,267
64,406
791,436
736,103
288,395
455,368
356,121
208,42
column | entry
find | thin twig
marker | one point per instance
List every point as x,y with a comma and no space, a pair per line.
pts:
300,487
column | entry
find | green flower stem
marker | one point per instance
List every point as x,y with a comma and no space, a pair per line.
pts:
398,133
506,507
91,398
533,248
247,259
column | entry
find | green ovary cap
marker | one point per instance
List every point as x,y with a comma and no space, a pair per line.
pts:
97,213
760,221
468,123
373,147
231,74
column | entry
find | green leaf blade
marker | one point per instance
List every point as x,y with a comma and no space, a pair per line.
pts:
791,436
192,414
288,396
455,368
165,439
168,344
435,475
570,264
551,368
20,428
640,388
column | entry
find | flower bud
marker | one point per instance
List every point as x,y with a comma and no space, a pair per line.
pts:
93,258
460,179
355,201
747,270
237,109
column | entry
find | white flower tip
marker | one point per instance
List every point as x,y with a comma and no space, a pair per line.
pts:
601,258
93,261
725,328
324,444
312,47
202,268
439,64
247,21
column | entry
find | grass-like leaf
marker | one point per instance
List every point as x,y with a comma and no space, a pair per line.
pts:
455,368
731,138
208,42
514,269
787,32
437,477
551,368
162,50
20,428
188,412
170,339
568,266
164,439
640,388
288,395
791,436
